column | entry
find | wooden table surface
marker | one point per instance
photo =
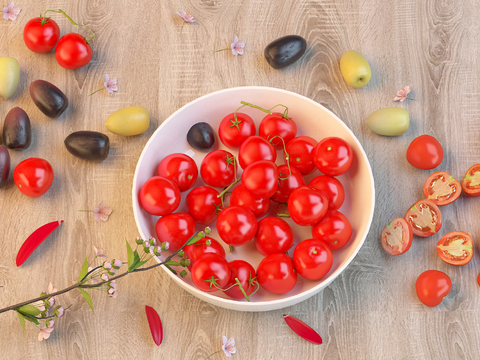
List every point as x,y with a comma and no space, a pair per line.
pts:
371,311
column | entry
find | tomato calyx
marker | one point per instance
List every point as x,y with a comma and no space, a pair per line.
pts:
44,19
283,212
213,281
251,282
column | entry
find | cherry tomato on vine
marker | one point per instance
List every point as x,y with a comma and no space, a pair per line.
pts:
276,274
233,132
455,248
424,217
179,168
176,229
274,236
33,177
432,286
441,188
203,204
159,196
313,259
333,156
334,229
261,178
425,152
245,273
41,34
210,272
331,187
471,181
307,206
244,198
289,180
256,148
236,225
218,168
276,125
396,237
73,51
300,151
205,245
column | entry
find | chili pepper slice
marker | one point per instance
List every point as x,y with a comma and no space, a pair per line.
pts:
302,329
155,324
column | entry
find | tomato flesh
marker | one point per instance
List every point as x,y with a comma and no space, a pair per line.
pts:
424,217
432,286
441,188
471,181
455,248
396,237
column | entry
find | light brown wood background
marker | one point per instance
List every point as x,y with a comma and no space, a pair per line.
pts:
369,312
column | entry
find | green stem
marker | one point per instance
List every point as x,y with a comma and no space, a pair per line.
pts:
221,50
87,210
285,112
241,289
287,157
181,29
60,11
95,91
256,107
209,356
228,188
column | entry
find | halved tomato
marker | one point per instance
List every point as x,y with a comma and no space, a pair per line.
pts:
471,181
442,188
424,217
455,248
396,237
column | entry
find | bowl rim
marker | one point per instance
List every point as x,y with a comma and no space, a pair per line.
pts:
256,305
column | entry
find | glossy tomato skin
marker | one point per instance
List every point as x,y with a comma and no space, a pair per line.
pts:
218,168
307,206
256,148
176,229
205,245
72,51
210,268
312,259
455,248
441,188
203,204
236,225
300,151
276,125
179,168
332,188
245,273
396,237
424,217
425,152
333,156
41,38
432,286
274,236
261,178
159,196
276,274
471,181
244,198
285,187
33,177
233,133
334,229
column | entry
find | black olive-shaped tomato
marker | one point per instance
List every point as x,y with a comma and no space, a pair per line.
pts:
201,136
4,165
49,99
88,145
285,51
17,133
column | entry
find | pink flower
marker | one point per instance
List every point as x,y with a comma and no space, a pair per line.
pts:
112,272
117,264
104,277
40,305
99,252
102,212
10,12
46,331
237,46
110,84
185,16
51,289
228,347
112,293
107,265
112,284
61,312
402,94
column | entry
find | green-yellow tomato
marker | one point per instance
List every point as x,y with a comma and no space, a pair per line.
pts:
355,69
129,121
389,121
9,76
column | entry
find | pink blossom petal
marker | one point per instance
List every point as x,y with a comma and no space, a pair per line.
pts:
228,346
61,312
186,16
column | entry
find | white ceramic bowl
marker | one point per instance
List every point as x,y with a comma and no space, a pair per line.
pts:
312,119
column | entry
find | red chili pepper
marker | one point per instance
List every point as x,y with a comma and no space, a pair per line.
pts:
35,239
302,329
155,324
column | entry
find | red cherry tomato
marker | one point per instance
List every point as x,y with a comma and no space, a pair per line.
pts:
471,181
159,196
72,51
396,237
205,245
236,225
176,229
424,217
331,188
432,286
218,168
274,236
233,132
179,168
441,188
256,148
276,125
333,156
41,38
425,152
300,151
334,229
276,274
285,187
455,248
261,178
307,206
210,272
245,273
312,259
203,204
478,279
244,198
33,177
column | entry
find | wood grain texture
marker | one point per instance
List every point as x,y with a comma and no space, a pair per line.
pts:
369,312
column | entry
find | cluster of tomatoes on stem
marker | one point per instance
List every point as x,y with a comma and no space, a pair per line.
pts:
261,183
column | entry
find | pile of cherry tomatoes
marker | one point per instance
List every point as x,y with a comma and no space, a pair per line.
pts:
261,185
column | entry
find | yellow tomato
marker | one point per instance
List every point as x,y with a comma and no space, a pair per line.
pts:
9,76
355,69
129,121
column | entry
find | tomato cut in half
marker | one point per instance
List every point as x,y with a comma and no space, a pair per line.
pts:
442,188
471,181
396,237
424,217
455,248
